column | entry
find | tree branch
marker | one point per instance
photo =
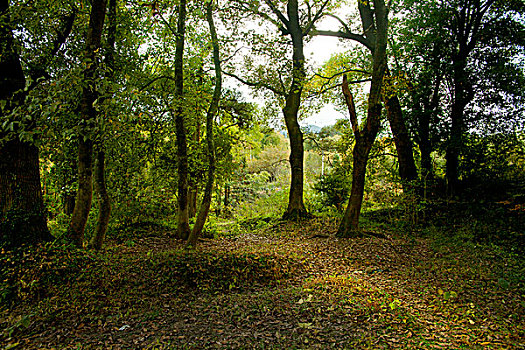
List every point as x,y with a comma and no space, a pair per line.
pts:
278,13
315,18
344,35
257,85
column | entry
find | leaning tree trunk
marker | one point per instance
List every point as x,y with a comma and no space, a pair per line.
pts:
85,142
210,119
296,208
183,229
22,211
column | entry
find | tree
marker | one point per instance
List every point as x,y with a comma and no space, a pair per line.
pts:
210,120
22,211
403,143
464,50
183,230
104,204
297,23
366,135
85,141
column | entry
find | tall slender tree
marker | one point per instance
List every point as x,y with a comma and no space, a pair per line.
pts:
210,120
85,141
183,230
104,203
402,141
366,135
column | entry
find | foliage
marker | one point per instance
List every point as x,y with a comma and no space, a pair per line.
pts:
334,188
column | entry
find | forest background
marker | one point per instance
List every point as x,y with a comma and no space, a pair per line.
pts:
122,120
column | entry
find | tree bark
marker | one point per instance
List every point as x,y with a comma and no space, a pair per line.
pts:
296,208
349,226
210,120
85,143
455,141
104,203
22,211
183,228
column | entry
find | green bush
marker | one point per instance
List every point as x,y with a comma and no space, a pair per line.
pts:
333,188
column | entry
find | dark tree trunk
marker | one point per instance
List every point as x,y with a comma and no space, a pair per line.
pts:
183,229
425,146
192,201
296,208
85,143
467,26
210,120
104,203
68,202
455,140
23,215
407,165
22,212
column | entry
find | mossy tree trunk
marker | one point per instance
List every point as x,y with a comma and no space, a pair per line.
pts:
22,211
183,228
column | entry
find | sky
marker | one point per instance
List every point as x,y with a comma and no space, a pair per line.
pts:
317,51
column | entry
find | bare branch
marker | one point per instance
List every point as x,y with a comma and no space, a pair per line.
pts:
257,85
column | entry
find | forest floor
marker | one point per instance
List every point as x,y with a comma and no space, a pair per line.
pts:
279,286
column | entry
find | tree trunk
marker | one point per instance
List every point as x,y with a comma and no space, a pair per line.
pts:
183,229
192,201
349,226
296,208
455,141
85,143
104,203
210,120
22,212
365,136
407,165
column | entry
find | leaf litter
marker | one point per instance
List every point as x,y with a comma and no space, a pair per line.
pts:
290,285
